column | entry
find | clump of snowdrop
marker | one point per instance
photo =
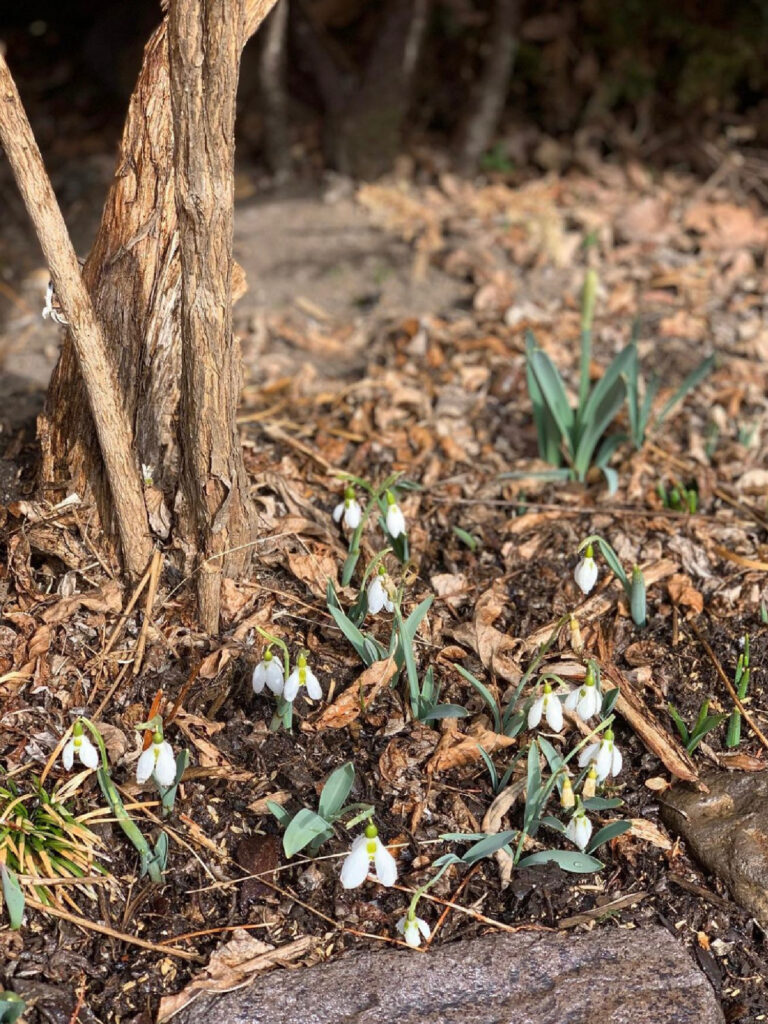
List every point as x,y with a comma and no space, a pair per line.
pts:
368,849
579,828
605,755
302,675
81,747
549,706
378,593
413,929
395,519
586,571
350,509
157,761
586,699
269,672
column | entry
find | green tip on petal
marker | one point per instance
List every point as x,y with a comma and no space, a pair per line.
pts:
371,831
609,736
349,494
268,655
302,661
589,553
547,688
391,500
77,729
158,737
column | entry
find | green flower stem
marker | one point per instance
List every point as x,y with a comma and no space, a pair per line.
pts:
278,643
423,888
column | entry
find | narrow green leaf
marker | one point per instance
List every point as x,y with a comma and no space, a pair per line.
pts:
335,792
353,634
553,393
11,1007
682,728
13,896
609,702
485,693
694,378
491,768
578,863
349,567
533,786
602,803
406,648
304,827
283,816
489,845
547,432
602,406
466,538
444,711
553,823
616,828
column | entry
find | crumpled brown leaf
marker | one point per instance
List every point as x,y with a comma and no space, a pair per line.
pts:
108,598
456,749
356,698
232,965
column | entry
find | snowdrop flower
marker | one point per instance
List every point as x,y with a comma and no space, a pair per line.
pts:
549,705
269,671
302,675
395,517
158,761
579,828
585,700
350,509
80,744
52,308
605,755
366,848
413,928
148,474
586,571
378,597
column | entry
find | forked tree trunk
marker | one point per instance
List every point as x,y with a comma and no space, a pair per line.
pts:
134,276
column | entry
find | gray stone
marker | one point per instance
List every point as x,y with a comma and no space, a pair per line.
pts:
616,976
727,831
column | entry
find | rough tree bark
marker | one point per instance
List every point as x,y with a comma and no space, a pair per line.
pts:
204,38
133,274
490,92
365,108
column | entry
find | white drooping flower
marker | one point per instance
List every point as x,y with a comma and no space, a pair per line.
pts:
395,518
157,761
586,571
586,700
413,929
350,509
269,672
605,756
378,597
148,474
548,705
367,849
579,828
302,675
79,745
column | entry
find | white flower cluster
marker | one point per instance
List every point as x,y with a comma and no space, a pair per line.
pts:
350,510
269,672
157,761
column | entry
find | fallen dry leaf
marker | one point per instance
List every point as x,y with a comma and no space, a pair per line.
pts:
356,698
108,598
315,568
683,592
232,965
463,749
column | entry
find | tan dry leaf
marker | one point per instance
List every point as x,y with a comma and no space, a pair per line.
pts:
657,784
356,698
740,761
233,599
683,592
280,797
108,598
233,965
451,587
649,833
315,568
465,749
492,823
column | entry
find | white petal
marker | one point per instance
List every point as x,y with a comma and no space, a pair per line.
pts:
588,754
386,865
275,676
389,605
603,762
424,928
165,765
616,761
411,934
338,512
554,712
395,521
68,754
352,515
89,755
145,765
593,702
291,686
314,690
586,574
534,714
572,700
354,870
583,831
401,925
375,596
259,677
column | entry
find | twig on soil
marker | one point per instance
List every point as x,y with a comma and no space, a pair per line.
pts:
110,692
728,684
113,933
154,576
125,615
447,909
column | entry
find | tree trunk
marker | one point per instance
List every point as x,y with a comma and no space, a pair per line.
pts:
365,109
490,92
204,39
133,274
273,91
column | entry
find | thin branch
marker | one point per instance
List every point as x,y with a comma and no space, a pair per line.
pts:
112,424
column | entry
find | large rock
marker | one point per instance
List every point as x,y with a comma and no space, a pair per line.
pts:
727,831
614,976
